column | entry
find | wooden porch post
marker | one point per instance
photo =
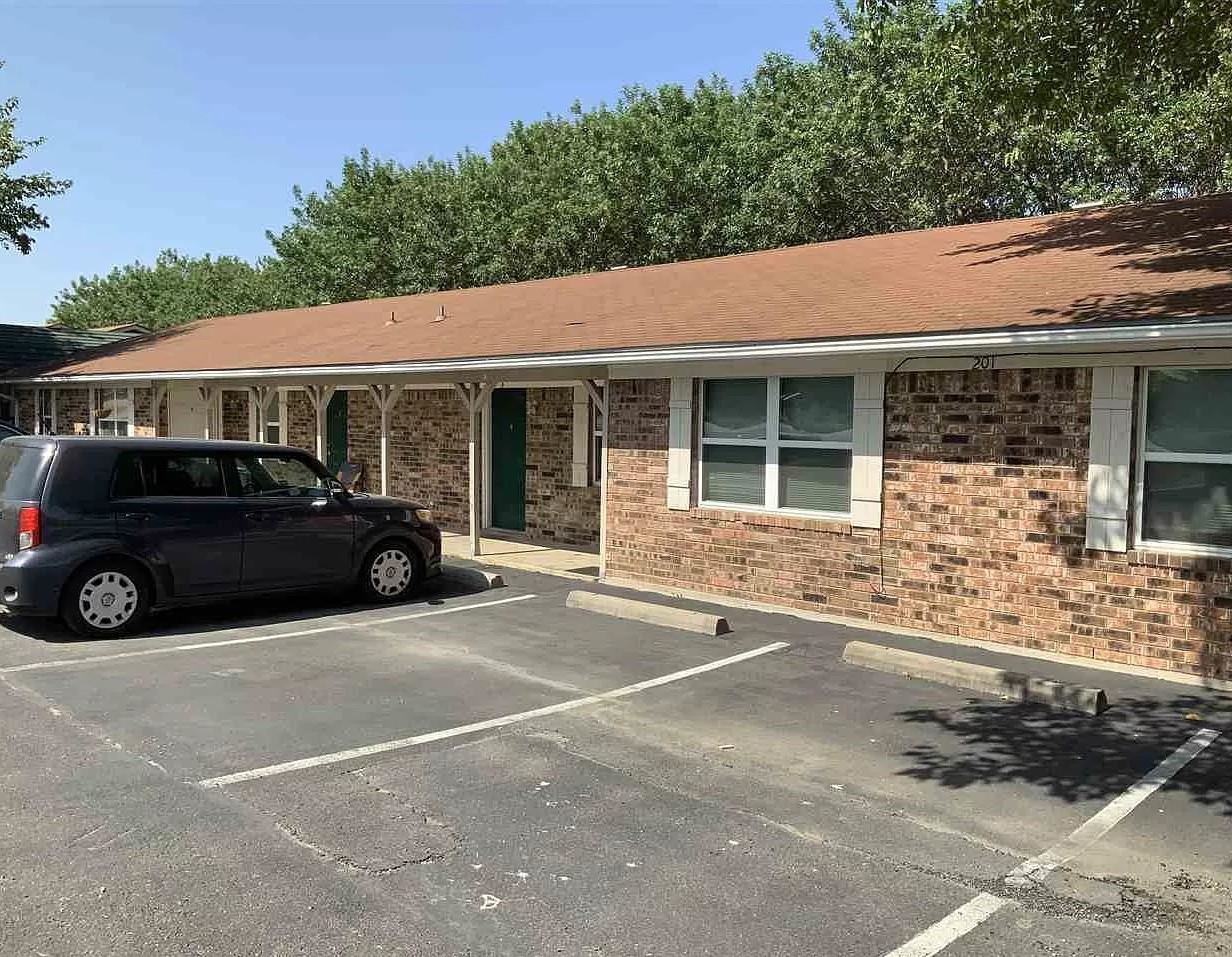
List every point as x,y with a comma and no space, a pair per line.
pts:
598,395
261,396
210,395
319,396
474,394
385,397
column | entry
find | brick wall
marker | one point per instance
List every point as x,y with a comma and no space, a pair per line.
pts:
428,450
301,422
23,409
428,453
985,491
235,415
556,511
364,438
73,411
143,412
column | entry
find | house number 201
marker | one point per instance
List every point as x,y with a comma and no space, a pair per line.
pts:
981,362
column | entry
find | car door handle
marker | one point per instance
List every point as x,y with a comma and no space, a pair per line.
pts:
136,516
319,502
255,516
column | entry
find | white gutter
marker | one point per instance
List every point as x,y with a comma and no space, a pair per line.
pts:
1060,340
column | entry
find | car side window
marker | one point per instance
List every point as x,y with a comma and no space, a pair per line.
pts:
277,475
181,475
128,481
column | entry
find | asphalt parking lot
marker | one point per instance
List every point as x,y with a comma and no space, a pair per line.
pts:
490,772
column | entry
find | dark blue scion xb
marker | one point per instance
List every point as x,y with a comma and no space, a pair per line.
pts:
99,531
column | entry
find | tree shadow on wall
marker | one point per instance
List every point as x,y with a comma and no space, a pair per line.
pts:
1179,240
1077,757
1207,599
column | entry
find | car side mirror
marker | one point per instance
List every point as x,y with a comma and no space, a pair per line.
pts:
334,487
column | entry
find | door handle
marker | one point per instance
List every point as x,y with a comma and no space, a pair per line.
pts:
319,502
255,516
136,516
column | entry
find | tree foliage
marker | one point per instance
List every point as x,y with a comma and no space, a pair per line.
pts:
176,289
1151,80
19,216
908,114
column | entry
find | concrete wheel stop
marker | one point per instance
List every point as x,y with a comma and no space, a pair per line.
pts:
649,613
1013,685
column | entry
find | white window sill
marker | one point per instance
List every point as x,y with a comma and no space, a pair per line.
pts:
780,512
1183,548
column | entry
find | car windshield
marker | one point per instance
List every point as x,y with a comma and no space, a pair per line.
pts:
278,475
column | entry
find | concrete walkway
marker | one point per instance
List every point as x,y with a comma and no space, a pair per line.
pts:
576,563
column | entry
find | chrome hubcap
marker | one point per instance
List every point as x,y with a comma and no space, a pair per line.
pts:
391,572
108,600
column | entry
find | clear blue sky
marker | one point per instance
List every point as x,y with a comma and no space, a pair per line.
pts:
185,125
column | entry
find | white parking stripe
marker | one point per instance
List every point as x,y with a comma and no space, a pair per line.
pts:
349,754
977,910
303,633
954,925
1040,867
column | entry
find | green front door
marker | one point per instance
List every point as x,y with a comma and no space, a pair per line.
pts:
336,432
509,459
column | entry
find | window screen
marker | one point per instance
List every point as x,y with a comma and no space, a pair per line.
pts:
1187,457
778,443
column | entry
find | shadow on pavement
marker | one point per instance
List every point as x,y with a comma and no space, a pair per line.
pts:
1076,757
255,611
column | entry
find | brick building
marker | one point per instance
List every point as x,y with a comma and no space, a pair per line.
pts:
1016,431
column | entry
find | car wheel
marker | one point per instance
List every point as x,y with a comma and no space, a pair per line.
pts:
106,599
391,572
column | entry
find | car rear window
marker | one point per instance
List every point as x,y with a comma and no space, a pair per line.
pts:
22,468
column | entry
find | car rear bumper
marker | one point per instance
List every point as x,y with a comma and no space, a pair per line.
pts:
30,589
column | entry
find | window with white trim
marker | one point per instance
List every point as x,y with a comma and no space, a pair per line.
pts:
114,412
782,443
1185,466
45,418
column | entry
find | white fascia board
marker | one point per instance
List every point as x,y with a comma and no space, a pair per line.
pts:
1155,335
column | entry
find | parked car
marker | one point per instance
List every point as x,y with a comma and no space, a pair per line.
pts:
101,530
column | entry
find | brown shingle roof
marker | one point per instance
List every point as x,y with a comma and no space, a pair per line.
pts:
1122,264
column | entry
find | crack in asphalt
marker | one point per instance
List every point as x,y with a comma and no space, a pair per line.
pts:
349,863
1138,907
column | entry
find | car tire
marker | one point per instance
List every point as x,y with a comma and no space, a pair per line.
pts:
106,599
392,571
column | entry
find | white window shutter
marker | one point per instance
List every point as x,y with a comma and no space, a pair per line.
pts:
680,444
1112,402
581,436
868,429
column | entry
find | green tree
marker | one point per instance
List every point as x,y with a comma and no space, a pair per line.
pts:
892,125
1150,79
381,230
909,114
175,290
19,216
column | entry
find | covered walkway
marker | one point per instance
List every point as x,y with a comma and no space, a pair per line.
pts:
518,554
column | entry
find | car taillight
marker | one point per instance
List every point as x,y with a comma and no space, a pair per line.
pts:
29,527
